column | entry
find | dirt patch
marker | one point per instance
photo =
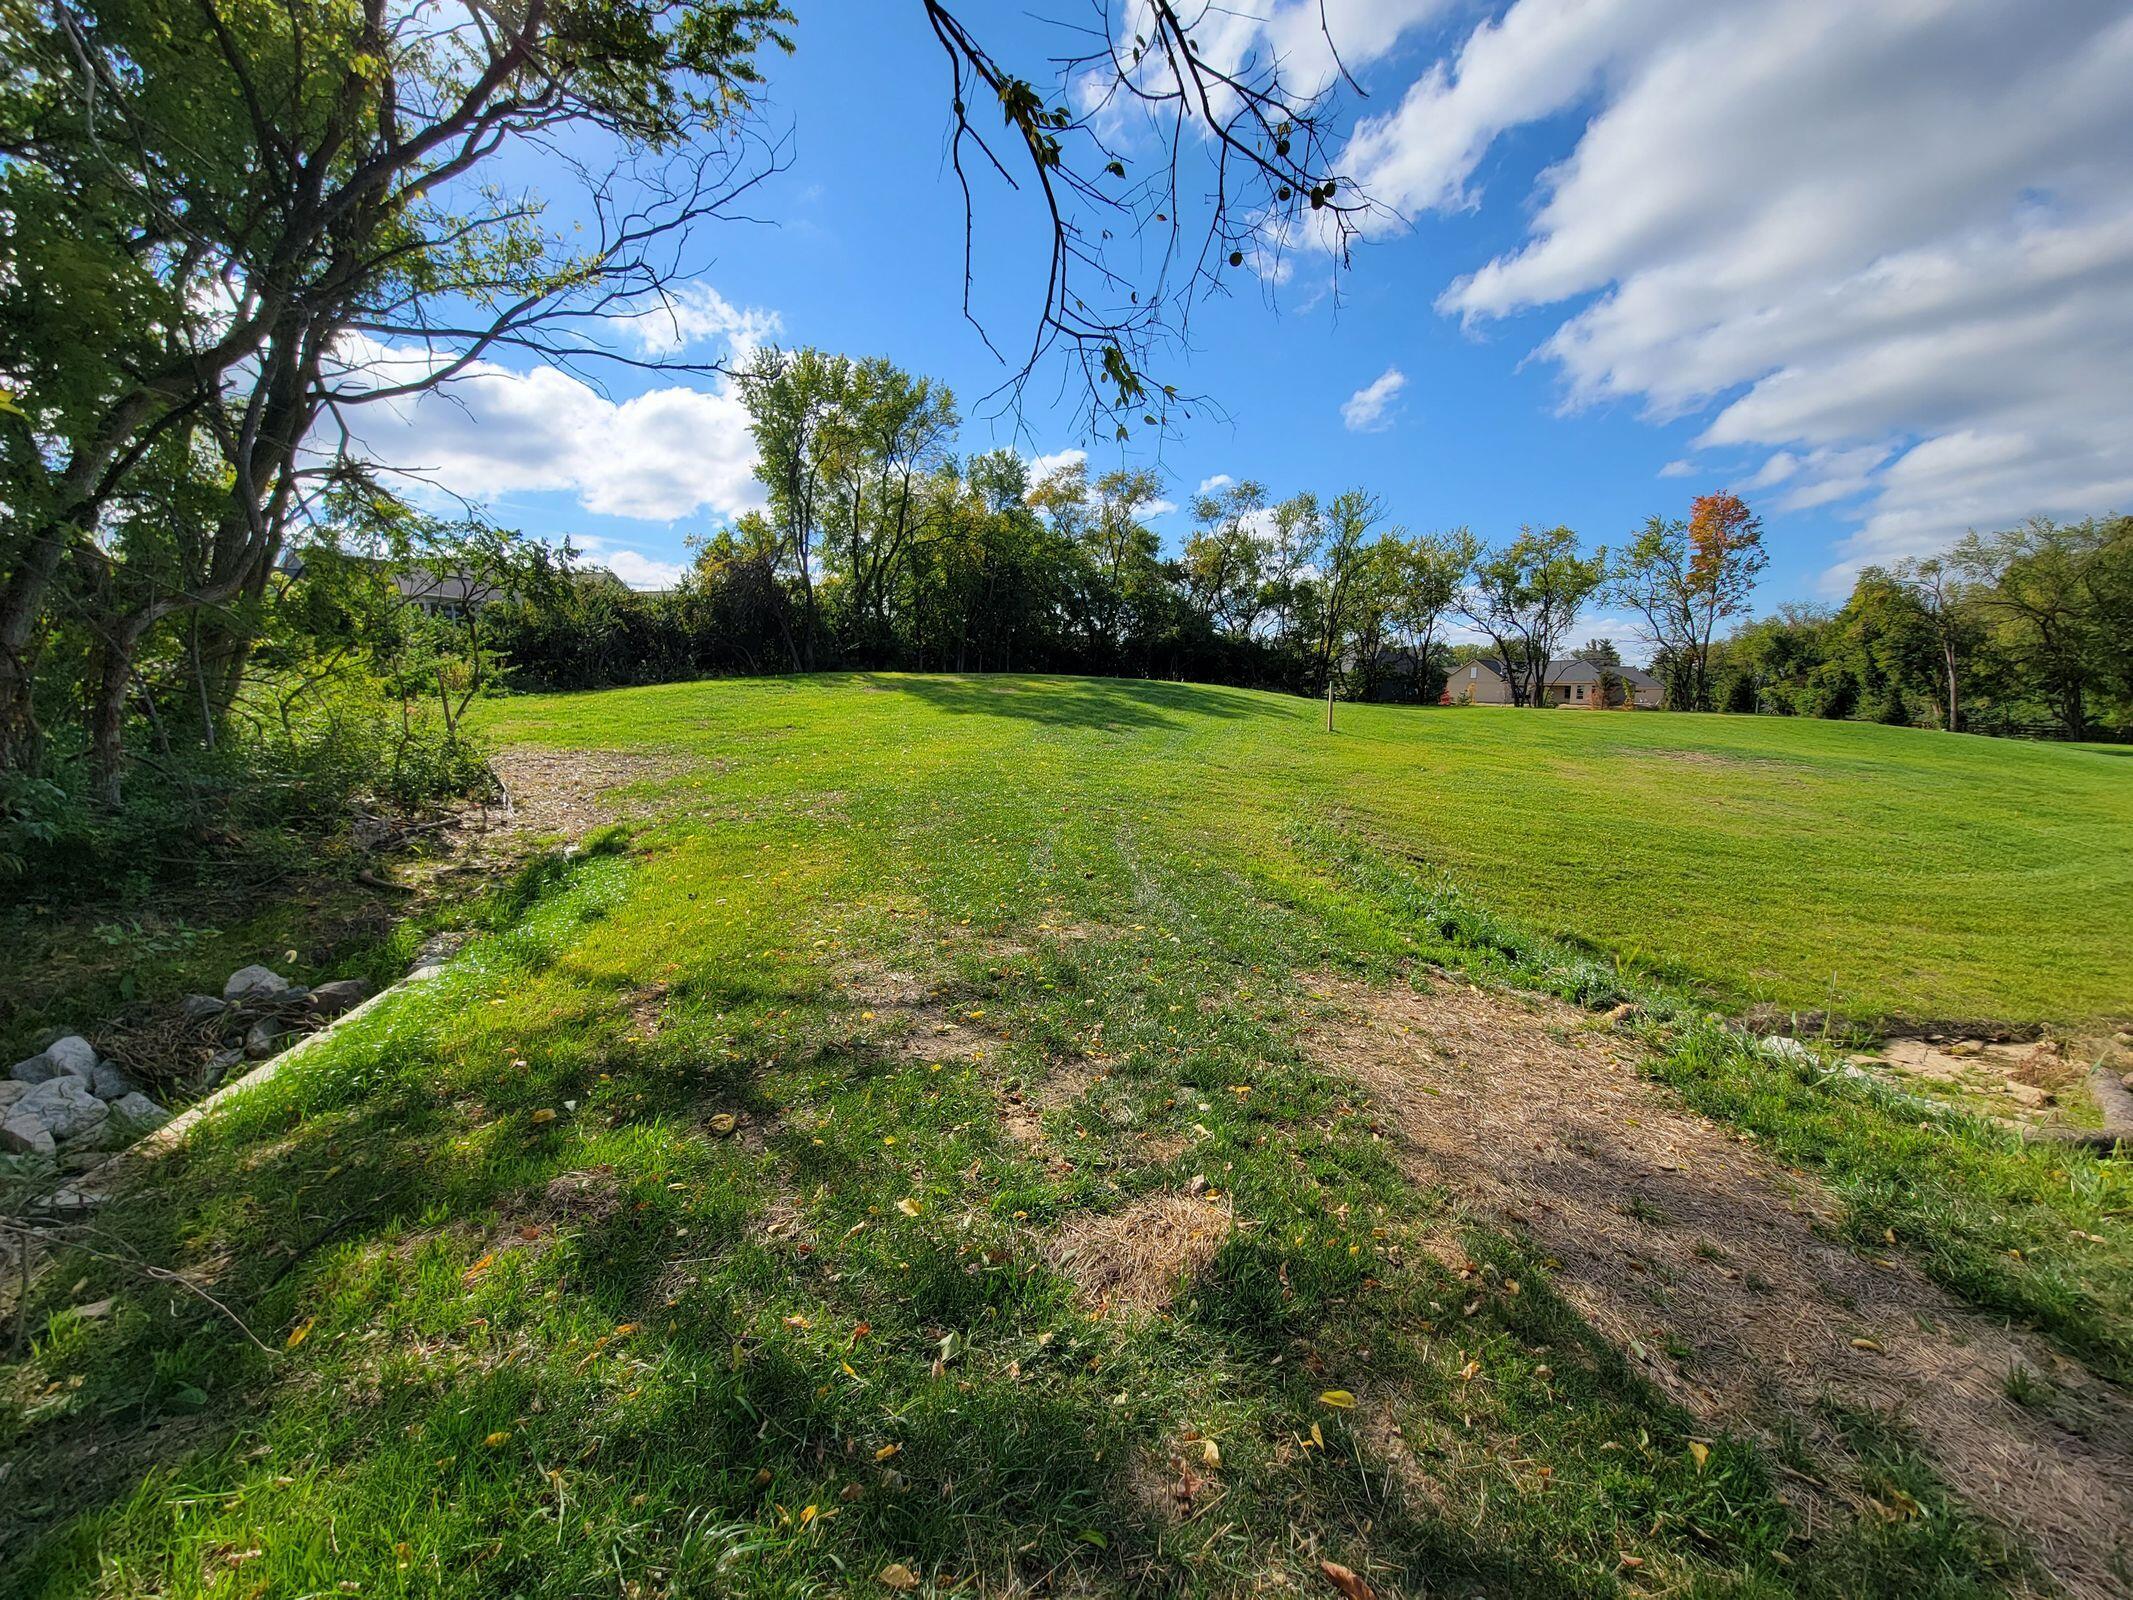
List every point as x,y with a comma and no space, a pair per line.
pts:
1715,1268
566,793
1139,1258
2015,1082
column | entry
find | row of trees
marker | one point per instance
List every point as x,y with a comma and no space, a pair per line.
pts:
2028,630
881,547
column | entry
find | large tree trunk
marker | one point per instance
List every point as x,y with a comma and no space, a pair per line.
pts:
22,605
107,709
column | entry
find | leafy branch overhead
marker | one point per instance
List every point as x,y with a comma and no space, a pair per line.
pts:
1236,169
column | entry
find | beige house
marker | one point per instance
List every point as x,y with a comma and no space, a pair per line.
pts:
1569,683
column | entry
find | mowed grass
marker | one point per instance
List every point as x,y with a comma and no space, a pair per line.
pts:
522,1313
1880,871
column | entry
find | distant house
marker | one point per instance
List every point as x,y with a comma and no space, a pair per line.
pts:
1570,683
453,595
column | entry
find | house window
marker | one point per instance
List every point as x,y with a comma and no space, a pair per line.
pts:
1472,673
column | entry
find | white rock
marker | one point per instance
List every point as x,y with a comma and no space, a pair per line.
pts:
254,983
1779,1048
26,1136
11,1090
109,1082
66,1108
33,1069
73,1055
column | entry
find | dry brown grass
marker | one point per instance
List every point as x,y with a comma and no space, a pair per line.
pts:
1139,1259
1670,1234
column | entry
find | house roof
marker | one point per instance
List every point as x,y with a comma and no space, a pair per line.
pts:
1575,670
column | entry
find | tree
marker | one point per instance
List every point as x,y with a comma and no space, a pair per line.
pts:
225,229
1226,558
1526,597
2054,601
1684,579
1941,601
1344,582
227,233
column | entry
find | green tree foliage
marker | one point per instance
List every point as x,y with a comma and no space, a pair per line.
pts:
1527,597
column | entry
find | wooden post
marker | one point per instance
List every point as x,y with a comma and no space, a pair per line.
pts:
1329,702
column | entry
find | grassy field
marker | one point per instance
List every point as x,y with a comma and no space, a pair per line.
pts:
673,1242
1892,870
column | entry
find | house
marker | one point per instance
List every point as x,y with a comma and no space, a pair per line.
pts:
1573,682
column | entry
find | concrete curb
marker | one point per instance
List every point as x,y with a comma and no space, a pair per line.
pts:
129,1164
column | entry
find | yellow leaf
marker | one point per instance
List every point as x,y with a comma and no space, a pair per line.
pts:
299,1333
500,1436
886,1451
908,1206
543,1115
807,1514
723,1123
1317,1438
1339,1399
1210,1453
1865,1344
478,1268
1700,1453
898,1576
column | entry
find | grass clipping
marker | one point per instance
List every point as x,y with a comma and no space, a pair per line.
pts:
1138,1259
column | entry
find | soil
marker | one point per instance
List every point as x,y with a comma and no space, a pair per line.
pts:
1718,1270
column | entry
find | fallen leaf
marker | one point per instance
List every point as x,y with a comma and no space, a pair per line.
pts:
1865,1344
908,1206
1210,1453
541,1116
478,1268
1700,1453
500,1436
898,1576
886,1451
1339,1399
723,1123
1346,1581
299,1333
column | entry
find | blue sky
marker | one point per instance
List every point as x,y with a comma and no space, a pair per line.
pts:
1873,271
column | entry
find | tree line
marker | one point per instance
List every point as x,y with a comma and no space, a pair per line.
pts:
881,547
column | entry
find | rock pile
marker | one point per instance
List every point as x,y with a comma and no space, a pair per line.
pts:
65,1098
67,1102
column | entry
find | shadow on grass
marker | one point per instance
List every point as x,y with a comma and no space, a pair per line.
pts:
1099,704
521,1319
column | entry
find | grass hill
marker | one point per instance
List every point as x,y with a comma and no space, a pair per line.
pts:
1032,1136
1885,870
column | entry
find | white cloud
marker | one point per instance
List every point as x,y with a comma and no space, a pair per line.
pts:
1158,508
1679,469
1366,410
661,455
697,314
640,571
1208,485
1892,244
670,452
1042,467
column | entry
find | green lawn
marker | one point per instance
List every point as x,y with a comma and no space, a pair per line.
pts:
1889,870
533,1317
